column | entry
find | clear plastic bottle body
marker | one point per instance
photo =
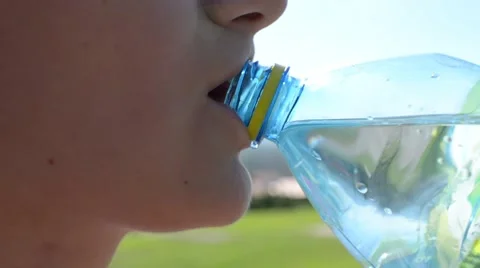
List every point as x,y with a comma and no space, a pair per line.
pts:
388,153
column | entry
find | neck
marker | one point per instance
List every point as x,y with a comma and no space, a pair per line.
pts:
52,240
263,98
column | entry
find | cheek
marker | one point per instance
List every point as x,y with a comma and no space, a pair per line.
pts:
178,176
108,124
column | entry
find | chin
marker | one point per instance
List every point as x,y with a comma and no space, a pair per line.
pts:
237,203
213,201
227,202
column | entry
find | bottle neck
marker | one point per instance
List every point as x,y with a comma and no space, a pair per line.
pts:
263,97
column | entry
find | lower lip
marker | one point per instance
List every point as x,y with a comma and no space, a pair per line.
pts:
239,126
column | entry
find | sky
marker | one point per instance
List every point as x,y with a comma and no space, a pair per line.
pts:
317,35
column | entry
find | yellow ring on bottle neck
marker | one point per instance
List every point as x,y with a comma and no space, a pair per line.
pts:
265,100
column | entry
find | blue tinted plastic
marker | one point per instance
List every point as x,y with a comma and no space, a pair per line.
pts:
388,153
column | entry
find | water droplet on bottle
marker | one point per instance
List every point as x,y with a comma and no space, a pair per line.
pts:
440,161
254,145
370,118
419,131
316,155
355,171
361,187
388,211
434,75
447,139
465,174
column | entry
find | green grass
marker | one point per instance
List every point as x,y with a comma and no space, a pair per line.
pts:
280,239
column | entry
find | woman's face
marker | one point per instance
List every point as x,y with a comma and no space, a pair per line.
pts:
105,109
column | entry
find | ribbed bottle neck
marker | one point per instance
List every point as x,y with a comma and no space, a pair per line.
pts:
263,97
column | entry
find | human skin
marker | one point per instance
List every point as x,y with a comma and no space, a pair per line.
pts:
106,126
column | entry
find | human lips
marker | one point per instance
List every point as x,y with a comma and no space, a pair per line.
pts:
219,91
218,95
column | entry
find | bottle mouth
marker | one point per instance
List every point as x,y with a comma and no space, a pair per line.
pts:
251,94
222,92
235,86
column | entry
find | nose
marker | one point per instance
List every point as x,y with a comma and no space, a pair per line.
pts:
248,16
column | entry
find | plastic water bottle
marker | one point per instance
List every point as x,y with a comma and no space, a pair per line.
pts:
387,152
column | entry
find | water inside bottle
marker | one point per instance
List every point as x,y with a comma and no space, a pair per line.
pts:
397,191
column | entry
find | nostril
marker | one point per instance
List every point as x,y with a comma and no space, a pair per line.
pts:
250,17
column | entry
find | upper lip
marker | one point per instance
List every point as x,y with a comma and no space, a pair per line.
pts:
219,89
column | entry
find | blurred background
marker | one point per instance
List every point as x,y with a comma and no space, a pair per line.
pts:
281,229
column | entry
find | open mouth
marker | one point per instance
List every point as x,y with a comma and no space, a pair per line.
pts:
219,93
